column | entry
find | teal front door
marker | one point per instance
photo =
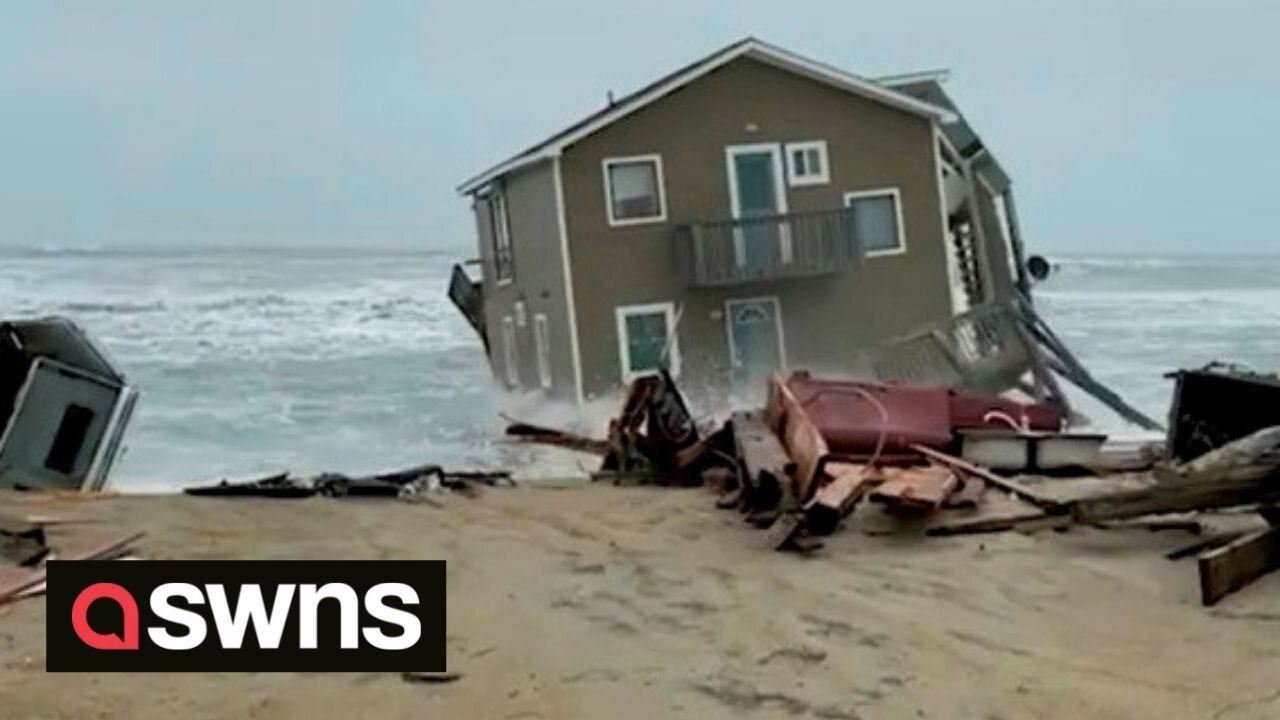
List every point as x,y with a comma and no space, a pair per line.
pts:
755,184
755,340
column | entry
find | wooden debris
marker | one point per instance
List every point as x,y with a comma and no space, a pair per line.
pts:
916,490
24,586
431,678
1013,487
1028,521
530,433
763,461
785,533
837,497
1247,460
968,496
1228,568
1174,497
1199,546
803,442
624,477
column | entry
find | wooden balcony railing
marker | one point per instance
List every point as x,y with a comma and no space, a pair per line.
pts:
776,247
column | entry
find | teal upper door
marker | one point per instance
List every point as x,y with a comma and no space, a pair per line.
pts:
755,182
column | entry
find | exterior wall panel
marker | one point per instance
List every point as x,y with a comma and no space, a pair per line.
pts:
826,320
538,279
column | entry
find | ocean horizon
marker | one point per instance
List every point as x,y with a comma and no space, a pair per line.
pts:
253,360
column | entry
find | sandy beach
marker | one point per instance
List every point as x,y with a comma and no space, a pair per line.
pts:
590,602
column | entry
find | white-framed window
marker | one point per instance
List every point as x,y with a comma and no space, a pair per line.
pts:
647,339
521,312
877,221
633,190
510,353
807,163
542,343
500,228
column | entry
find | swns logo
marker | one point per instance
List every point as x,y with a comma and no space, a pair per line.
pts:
252,616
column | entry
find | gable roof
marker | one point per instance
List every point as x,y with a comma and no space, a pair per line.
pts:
748,47
927,86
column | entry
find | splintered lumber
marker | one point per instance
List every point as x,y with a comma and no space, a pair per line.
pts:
36,577
1174,497
1030,520
1012,487
1199,546
764,460
917,489
1228,568
529,433
836,498
1242,472
801,438
1251,458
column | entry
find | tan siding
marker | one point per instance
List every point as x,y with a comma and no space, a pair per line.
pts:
826,320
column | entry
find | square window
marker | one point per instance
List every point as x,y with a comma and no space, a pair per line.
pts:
807,163
633,189
877,221
643,334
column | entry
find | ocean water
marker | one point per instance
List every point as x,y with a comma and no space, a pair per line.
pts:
354,361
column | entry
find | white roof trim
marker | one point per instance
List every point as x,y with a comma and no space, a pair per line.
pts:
753,48
939,75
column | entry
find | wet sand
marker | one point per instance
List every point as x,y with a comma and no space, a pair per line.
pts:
602,602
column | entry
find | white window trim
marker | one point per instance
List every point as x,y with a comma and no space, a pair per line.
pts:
819,179
780,189
624,349
542,347
510,352
777,314
893,192
654,158
503,221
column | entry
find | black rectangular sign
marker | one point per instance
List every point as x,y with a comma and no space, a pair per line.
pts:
246,616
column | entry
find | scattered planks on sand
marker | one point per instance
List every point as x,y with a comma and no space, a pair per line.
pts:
31,582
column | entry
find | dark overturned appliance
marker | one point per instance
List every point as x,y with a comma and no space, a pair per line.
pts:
63,407
1218,404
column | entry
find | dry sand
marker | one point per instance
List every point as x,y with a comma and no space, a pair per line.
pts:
600,602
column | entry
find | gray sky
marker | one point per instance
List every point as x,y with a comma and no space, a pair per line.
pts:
1127,126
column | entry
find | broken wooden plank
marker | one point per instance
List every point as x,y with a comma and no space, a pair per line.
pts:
763,458
1226,569
837,497
803,441
34,578
1199,546
1011,486
529,433
1176,497
1032,521
916,490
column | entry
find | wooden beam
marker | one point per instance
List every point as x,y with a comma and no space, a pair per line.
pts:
1013,487
1226,569
837,497
1172,498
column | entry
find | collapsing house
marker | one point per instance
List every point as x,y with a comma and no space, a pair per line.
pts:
753,211
63,407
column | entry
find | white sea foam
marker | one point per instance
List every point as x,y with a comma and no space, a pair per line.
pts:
253,362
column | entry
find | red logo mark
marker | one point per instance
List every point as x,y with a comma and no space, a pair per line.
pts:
106,641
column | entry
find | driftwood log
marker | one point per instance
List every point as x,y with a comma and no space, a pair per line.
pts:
1243,472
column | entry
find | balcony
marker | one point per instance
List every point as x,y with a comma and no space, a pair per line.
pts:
776,247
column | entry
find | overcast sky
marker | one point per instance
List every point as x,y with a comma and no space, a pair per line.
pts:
1133,127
